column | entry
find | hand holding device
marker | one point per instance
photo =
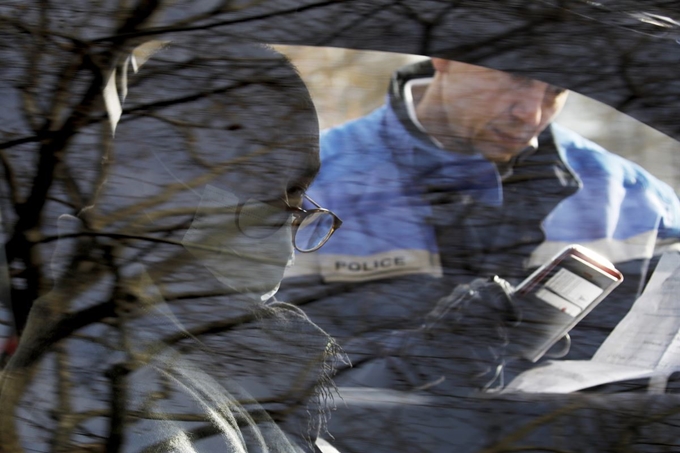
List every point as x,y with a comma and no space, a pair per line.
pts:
472,325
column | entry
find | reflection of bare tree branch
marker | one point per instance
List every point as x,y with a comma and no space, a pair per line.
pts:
225,6
80,234
136,18
118,415
427,24
171,190
106,143
72,190
224,23
64,415
23,27
63,90
532,426
362,18
191,295
185,128
500,43
209,328
10,178
20,245
178,417
199,94
24,140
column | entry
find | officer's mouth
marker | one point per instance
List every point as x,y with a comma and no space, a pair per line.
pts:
512,139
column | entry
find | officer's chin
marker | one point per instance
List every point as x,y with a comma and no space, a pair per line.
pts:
500,157
501,153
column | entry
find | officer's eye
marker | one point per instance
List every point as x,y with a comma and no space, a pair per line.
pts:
521,80
555,91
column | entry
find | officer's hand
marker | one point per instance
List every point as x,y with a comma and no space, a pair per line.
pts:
472,325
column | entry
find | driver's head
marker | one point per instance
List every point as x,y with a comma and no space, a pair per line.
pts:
212,149
239,119
497,114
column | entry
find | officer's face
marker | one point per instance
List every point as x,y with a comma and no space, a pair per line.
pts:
496,113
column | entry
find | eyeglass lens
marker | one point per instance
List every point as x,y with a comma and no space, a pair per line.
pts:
313,231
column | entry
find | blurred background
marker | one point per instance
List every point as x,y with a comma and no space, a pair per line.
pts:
346,84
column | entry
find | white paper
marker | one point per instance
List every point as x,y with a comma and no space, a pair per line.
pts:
568,376
648,336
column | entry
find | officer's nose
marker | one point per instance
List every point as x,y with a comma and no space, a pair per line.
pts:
528,105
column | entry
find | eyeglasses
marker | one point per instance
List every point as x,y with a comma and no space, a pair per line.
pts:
311,228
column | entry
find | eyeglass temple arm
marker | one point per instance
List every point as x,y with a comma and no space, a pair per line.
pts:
336,220
312,201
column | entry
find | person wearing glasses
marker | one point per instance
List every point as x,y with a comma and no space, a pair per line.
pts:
162,331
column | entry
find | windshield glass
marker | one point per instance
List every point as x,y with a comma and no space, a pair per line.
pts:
454,226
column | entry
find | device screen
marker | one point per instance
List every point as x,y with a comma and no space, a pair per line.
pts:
573,286
558,295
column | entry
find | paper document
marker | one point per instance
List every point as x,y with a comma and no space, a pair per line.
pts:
645,343
568,376
648,336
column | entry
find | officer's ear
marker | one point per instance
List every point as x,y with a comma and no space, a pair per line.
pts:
440,65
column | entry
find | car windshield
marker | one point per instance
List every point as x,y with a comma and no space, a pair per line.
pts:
388,226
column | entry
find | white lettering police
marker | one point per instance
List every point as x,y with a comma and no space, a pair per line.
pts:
370,265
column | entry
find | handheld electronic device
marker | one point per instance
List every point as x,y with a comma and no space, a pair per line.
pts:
554,298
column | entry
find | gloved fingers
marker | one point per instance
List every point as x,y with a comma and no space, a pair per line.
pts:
498,293
485,302
450,305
